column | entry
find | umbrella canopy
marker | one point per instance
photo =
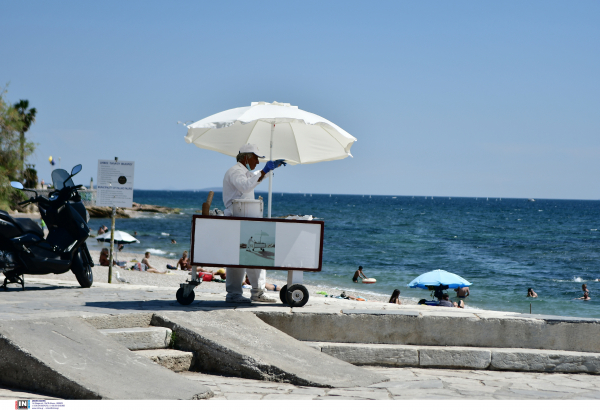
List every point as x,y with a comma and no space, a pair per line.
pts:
120,238
299,137
439,277
294,135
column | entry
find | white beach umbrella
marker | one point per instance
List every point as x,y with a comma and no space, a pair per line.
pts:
297,136
120,238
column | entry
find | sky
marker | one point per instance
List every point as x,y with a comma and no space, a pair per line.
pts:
460,98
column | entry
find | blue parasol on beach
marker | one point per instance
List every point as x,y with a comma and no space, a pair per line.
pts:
439,277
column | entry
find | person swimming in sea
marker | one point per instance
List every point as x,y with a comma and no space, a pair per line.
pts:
586,296
358,274
531,293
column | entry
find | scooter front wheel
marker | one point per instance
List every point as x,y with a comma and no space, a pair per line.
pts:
85,277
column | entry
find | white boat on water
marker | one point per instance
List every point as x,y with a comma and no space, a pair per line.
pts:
531,200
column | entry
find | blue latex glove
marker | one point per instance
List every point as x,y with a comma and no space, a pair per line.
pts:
269,166
280,162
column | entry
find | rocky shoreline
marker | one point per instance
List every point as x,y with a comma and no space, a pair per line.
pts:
102,211
106,211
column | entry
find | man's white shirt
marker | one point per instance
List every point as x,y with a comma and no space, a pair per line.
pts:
238,183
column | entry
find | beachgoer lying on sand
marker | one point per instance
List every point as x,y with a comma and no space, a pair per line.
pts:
358,274
531,293
222,273
184,262
344,296
395,297
149,268
104,260
586,296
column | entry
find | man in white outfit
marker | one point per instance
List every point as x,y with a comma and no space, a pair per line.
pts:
239,183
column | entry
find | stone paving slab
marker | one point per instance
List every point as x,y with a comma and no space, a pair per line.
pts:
240,344
69,358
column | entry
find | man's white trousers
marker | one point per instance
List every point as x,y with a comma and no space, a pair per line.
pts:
235,279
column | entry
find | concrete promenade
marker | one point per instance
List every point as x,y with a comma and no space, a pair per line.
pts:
404,384
345,329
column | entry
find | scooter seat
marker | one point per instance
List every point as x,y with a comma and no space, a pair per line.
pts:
29,226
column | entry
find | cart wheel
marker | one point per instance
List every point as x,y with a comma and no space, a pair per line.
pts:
282,295
297,295
187,300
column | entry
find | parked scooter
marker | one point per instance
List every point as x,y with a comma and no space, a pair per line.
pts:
23,249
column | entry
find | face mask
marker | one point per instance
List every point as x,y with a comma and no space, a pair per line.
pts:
248,166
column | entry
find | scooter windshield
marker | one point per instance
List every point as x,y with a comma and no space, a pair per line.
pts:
61,178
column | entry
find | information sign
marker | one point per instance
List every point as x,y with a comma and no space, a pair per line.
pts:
115,183
274,244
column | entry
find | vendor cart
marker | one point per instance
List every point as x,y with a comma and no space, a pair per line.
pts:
292,245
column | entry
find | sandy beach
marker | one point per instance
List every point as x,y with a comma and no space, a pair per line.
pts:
174,277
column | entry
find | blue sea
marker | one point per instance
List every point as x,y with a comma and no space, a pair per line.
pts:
502,245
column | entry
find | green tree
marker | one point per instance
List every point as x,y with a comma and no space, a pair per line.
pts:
11,164
27,118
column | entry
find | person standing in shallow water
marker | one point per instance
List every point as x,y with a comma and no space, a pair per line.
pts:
531,293
358,274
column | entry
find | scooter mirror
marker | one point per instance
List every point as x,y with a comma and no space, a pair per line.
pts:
17,185
76,169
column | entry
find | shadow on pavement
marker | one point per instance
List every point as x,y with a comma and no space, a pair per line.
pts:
29,288
174,305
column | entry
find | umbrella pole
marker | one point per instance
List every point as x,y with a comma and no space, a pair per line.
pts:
271,173
112,243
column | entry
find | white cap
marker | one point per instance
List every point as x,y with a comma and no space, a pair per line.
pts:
251,148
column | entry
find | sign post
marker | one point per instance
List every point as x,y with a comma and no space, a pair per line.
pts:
114,188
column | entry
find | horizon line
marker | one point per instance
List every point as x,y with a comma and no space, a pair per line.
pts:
383,195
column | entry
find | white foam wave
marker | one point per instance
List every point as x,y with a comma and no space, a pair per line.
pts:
577,279
156,251
165,234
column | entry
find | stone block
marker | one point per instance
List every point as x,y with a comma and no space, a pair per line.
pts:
450,327
121,321
373,355
454,357
174,360
141,338
545,361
